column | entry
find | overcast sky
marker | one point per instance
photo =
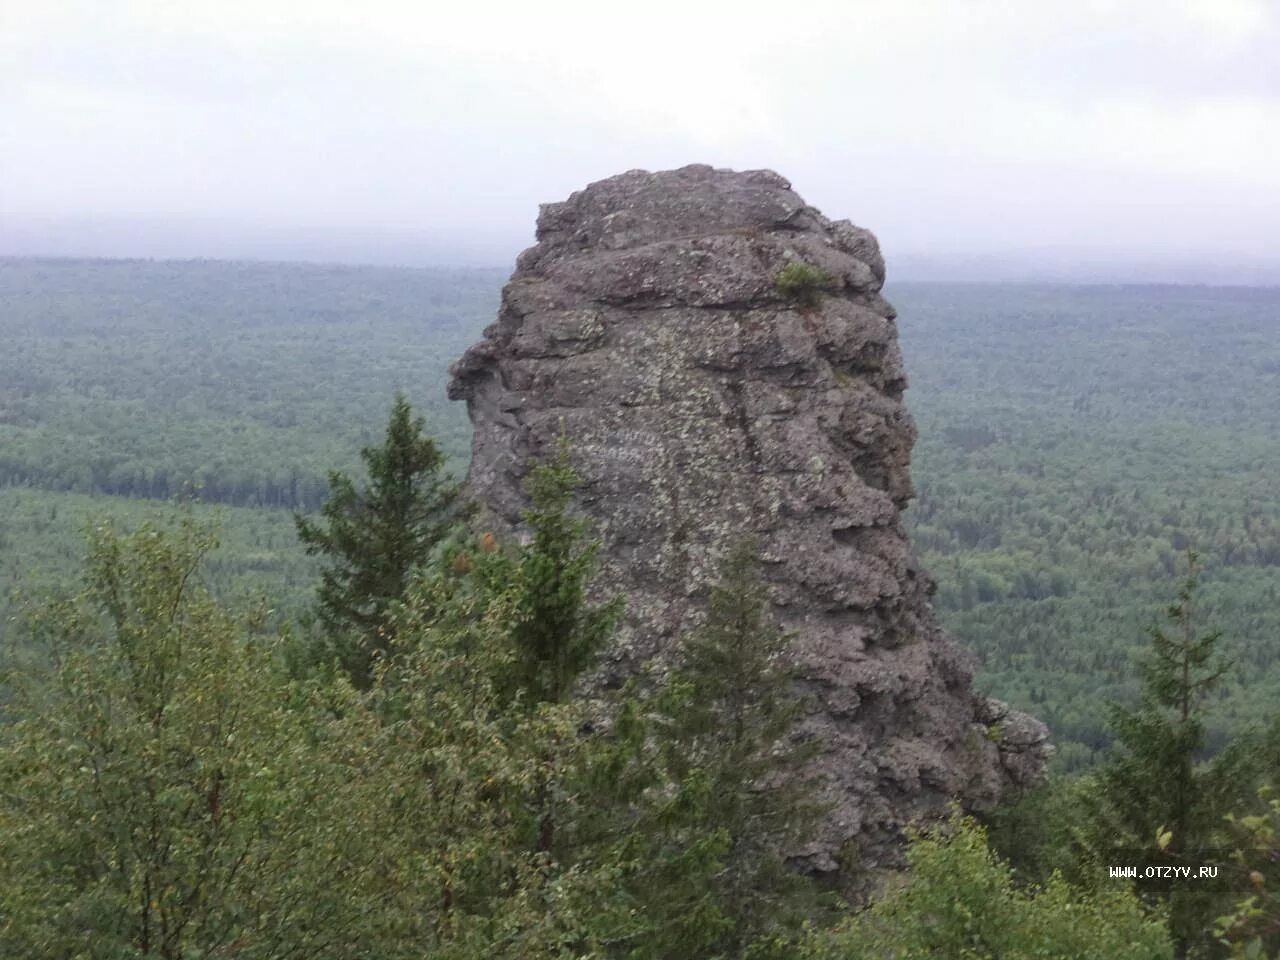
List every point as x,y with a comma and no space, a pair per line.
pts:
1130,130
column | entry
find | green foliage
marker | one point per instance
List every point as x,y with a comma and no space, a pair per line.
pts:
373,538
1151,781
664,860
1073,441
630,826
555,632
726,726
1039,834
462,770
173,795
1252,926
246,382
1154,797
803,283
537,824
42,545
509,814
960,902
162,792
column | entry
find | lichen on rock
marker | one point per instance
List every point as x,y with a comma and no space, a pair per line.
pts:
702,403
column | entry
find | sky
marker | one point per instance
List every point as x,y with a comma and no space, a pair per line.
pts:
1113,136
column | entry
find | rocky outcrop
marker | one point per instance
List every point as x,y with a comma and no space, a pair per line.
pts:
703,404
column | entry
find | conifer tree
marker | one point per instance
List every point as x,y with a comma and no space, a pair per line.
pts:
373,537
557,631
728,726
1156,794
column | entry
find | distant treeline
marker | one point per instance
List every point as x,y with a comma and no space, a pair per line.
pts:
293,490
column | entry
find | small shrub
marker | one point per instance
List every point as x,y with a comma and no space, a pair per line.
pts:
803,283
960,900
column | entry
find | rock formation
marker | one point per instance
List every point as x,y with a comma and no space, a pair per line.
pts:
703,404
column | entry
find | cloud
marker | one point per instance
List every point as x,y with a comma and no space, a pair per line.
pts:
463,116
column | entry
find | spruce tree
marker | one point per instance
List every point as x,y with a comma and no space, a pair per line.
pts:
373,537
556,632
1156,796
729,716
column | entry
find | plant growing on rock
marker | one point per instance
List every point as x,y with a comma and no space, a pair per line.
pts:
803,283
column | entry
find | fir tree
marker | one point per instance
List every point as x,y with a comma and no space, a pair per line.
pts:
729,717
375,536
1156,795
556,632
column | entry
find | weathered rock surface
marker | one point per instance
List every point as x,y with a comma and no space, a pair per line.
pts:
702,405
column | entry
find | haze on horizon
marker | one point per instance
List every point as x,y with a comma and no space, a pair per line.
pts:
1112,138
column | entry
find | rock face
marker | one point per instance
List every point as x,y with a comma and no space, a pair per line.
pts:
702,404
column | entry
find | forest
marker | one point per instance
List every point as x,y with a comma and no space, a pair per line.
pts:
1074,442
1076,446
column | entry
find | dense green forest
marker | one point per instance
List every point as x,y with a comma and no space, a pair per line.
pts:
1073,442
42,540
246,382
